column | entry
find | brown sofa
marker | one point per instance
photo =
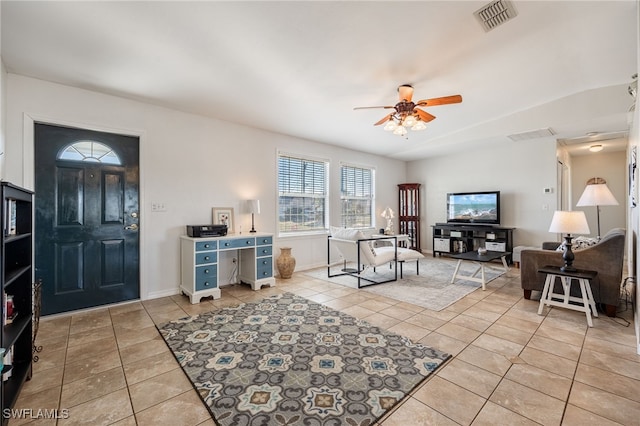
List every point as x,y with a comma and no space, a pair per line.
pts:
606,257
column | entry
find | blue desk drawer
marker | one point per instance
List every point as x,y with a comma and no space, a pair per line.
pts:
264,251
237,243
264,267
206,245
264,241
206,277
206,257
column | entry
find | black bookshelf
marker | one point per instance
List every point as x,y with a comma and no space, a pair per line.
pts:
16,274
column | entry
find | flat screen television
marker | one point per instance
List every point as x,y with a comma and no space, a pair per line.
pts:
474,207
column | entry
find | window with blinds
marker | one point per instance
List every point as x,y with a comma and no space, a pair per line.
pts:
302,194
357,196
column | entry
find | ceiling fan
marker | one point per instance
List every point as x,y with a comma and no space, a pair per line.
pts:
407,113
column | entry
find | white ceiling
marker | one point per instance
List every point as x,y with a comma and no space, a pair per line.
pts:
299,68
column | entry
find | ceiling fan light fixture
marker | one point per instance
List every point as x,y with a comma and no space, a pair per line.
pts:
390,126
596,148
400,131
419,126
409,121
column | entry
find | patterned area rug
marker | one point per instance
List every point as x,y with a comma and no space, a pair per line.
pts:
289,361
432,289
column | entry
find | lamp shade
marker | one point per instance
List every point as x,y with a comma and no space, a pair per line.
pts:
388,213
253,206
597,194
569,222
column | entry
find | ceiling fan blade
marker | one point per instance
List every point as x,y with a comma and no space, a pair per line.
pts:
371,107
405,92
384,120
424,115
455,99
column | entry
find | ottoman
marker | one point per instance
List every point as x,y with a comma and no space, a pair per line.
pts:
516,253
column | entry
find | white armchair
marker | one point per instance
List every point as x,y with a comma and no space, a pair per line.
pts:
354,247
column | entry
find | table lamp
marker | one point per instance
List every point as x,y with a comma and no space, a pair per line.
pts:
253,206
597,194
569,222
389,215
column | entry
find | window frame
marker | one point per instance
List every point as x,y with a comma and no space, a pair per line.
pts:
325,163
77,152
371,196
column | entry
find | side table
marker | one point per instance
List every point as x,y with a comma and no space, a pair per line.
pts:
585,303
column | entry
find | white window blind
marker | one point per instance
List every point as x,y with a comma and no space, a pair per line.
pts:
302,194
357,196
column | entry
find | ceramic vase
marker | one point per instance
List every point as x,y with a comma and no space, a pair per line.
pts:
285,263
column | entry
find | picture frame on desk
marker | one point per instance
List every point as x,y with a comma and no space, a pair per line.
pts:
224,216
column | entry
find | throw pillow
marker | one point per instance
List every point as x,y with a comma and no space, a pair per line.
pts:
579,243
346,233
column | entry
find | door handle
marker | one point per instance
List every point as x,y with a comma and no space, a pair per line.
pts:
132,227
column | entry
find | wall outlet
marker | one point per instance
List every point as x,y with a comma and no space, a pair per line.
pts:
157,206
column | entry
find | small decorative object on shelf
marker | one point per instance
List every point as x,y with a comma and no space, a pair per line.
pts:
286,263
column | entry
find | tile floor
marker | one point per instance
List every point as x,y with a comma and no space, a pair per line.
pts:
510,366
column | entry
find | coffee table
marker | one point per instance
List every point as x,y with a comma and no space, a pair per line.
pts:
480,260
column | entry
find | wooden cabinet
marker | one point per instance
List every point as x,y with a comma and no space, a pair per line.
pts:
409,213
452,238
16,274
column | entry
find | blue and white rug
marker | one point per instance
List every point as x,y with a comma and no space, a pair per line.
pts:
290,361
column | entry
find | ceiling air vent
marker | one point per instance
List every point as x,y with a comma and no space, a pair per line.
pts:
532,134
495,13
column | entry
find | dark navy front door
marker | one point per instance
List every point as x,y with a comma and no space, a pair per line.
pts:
87,217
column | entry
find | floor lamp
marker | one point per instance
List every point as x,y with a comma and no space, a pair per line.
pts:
597,194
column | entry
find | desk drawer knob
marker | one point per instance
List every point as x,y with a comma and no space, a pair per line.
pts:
207,258
248,242
206,284
227,244
207,246
206,271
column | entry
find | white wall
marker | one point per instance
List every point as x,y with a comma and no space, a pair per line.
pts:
613,168
519,170
190,163
3,115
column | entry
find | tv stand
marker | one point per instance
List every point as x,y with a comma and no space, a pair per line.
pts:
449,238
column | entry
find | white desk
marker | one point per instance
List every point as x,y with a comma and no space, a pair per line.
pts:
199,266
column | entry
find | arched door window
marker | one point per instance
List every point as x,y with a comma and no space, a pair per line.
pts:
89,151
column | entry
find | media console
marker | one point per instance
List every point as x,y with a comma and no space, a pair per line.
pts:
455,238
